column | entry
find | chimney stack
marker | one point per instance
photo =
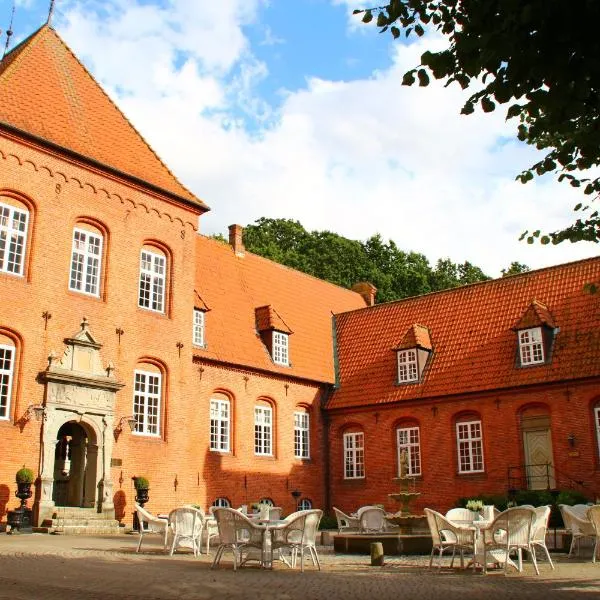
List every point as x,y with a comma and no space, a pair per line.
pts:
366,290
235,239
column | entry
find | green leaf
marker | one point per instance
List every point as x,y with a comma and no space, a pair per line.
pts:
423,77
467,109
487,104
368,17
395,32
408,78
419,30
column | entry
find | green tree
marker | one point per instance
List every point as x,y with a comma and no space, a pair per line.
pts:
514,269
538,57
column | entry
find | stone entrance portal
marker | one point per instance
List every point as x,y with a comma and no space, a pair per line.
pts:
77,435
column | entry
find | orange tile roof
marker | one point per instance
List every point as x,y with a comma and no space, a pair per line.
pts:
417,336
235,286
47,93
536,314
267,318
475,345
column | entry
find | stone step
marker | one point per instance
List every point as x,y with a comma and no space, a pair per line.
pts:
80,513
99,524
86,530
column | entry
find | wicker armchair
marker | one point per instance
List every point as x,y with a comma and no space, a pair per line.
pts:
149,525
186,525
372,520
460,516
345,521
593,514
540,527
447,535
575,519
299,534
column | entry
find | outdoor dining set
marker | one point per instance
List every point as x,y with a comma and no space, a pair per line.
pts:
263,536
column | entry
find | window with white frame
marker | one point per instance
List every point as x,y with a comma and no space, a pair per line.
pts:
13,239
219,424
280,348
409,440
301,435
407,366
305,504
146,402
597,420
7,367
198,333
354,455
267,501
531,346
153,267
86,260
222,503
470,447
263,430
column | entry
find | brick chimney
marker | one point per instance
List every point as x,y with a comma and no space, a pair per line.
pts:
235,239
366,290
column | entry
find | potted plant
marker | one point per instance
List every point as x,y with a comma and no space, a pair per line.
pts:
24,478
475,506
142,486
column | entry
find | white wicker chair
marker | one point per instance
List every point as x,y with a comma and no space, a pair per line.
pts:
593,514
460,516
236,532
275,513
540,527
576,521
149,525
186,526
210,530
372,520
511,531
447,535
299,534
345,521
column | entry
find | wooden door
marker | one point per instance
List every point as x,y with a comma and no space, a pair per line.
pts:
538,459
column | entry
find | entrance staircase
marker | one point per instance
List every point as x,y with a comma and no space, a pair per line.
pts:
68,520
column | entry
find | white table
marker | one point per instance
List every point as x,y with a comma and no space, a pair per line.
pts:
266,558
496,556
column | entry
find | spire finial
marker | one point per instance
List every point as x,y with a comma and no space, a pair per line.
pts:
9,30
50,12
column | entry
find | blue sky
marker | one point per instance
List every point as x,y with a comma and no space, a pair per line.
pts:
294,109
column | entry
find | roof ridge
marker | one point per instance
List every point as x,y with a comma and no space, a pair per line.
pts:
479,283
16,53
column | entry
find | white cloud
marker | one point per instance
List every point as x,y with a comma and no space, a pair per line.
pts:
355,157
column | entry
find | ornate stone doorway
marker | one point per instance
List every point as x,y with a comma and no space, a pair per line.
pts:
75,466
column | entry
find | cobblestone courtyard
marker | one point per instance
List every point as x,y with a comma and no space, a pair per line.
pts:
60,567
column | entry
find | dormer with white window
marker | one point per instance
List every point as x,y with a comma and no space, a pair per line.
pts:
199,322
413,353
535,335
274,333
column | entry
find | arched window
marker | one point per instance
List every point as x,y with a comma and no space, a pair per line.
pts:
267,501
469,443
220,423
147,399
354,455
7,370
263,429
305,504
86,259
221,502
153,279
14,220
301,434
408,442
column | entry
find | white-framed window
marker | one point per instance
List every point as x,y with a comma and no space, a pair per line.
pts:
7,367
153,268
531,346
267,501
146,402
198,331
408,439
86,262
13,239
597,420
263,430
301,435
221,503
354,455
407,366
280,348
470,447
219,424
305,504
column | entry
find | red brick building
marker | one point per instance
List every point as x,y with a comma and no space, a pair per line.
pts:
116,312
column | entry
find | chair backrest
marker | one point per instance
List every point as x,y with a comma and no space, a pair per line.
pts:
343,520
363,508
490,512
235,526
154,524
540,524
186,521
372,519
300,528
433,529
460,515
517,523
274,513
593,514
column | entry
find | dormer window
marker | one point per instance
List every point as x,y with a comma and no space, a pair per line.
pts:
198,328
412,354
531,346
280,348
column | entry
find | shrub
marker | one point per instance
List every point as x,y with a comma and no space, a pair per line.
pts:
571,497
328,522
24,475
141,483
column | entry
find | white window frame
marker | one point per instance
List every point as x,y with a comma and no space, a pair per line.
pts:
88,260
305,504
409,439
408,365
354,455
597,419
221,502
6,380
144,400
469,443
531,346
301,434
263,430
198,328
153,279
13,239
220,424
281,348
